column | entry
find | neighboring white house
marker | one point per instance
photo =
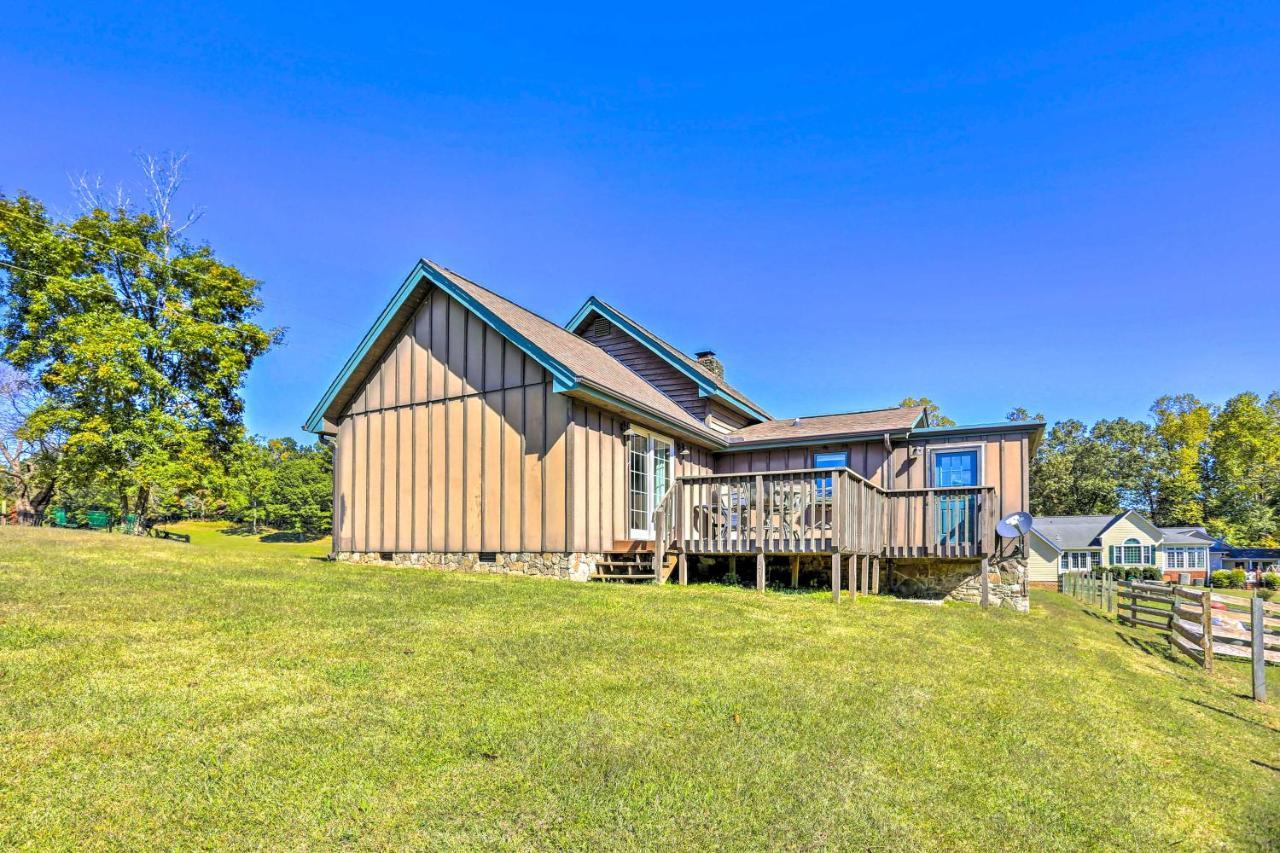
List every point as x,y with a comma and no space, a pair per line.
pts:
1061,543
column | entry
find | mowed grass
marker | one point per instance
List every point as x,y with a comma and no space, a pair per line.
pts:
167,696
221,535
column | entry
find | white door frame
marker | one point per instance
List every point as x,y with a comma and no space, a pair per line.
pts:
656,443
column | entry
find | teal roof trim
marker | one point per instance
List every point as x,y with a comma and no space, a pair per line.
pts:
564,379
705,388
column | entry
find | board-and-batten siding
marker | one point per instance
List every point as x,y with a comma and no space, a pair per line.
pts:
648,365
1004,460
457,443
865,457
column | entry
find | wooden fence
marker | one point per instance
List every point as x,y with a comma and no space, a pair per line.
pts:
1202,624
1146,603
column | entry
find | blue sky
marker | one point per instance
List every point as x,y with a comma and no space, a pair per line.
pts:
1072,209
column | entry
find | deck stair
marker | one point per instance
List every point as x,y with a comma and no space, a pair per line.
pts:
633,564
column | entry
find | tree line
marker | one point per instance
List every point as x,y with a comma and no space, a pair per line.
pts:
1190,463
127,345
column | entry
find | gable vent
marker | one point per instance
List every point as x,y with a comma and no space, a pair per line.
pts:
600,328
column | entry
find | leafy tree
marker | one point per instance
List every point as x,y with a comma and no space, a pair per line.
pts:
1182,425
1243,470
30,464
1021,415
1071,473
931,410
300,496
139,339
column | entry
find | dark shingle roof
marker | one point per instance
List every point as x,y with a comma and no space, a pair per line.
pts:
835,426
692,363
586,360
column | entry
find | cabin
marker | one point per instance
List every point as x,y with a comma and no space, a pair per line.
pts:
471,433
1122,542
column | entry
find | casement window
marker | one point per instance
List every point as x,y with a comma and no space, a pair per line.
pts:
1132,553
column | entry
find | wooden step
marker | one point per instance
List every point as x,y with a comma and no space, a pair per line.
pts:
599,576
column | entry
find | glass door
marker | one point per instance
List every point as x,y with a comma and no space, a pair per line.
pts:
648,478
956,513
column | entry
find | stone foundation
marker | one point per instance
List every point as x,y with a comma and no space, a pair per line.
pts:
574,566
953,581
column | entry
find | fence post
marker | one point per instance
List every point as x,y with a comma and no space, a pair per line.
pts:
1206,628
1256,629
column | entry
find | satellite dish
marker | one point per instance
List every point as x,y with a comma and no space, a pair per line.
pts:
1016,525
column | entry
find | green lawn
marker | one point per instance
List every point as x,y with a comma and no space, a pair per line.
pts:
174,696
220,534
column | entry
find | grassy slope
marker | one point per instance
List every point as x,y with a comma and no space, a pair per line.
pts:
168,695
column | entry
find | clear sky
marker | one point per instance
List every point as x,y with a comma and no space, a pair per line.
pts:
1072,209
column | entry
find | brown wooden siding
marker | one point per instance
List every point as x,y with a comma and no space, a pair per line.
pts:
1004,459
456,442
725,417
865,457
651,367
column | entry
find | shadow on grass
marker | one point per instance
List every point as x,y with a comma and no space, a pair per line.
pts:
270,536
1232,715
1149,647
1264,764
281,536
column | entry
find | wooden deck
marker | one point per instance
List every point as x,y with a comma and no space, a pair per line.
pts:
824,511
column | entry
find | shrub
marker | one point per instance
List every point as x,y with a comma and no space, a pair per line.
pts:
1269,580
1221,579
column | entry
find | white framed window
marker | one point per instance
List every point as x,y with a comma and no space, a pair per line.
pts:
1079,561
1180,557
1132,553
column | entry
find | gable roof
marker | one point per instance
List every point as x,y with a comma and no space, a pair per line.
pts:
1073,531
574,363
1192,535
1085,531
709,384
1143,521
810,429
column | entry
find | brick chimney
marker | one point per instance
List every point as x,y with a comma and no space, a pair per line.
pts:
708,359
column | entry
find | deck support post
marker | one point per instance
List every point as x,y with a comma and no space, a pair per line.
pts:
835,576
683,564
760,570
795,571
733,569
985,584
853,577
875,576
866,575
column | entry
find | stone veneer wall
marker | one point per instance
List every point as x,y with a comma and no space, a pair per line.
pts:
574,566
952,581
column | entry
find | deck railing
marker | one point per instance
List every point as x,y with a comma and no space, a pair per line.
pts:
819,510
959,521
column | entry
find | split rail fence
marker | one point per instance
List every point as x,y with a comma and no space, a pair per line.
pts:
1202,624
